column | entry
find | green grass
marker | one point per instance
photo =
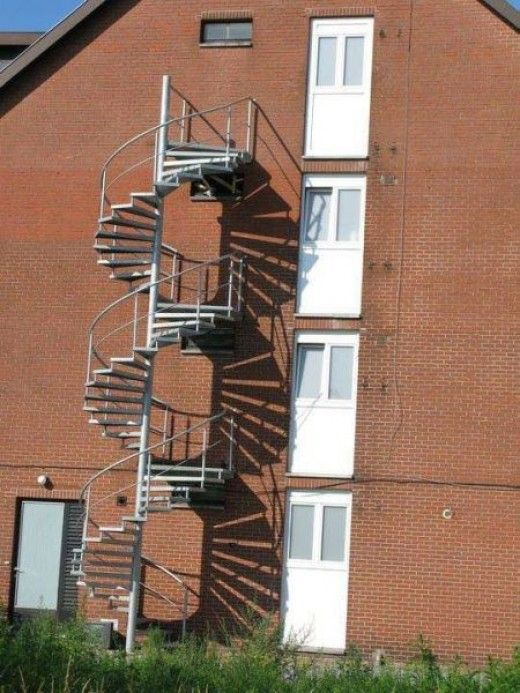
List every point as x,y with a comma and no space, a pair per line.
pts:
43,656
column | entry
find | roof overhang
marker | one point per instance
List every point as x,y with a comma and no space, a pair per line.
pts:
19,38
504,10
45,41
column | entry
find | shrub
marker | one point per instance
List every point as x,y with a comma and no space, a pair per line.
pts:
43,656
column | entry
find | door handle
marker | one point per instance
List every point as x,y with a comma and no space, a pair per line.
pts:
16,569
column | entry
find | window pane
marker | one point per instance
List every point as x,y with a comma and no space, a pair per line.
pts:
333,534
341,363
300,537
214,31
353,69
310,357
326,62
349,206
240,31
317,203
226,31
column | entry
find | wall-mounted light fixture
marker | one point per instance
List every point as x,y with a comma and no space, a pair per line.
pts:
44,481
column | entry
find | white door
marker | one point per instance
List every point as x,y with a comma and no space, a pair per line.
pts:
39,557
340,76
323,416
330,270
315,576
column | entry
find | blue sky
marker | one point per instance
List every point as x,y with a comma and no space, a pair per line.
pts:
39,15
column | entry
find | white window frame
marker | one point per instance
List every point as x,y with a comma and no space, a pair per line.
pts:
318,501
339,28
335,183
329,339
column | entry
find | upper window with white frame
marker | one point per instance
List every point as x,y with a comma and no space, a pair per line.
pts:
339,84
330,266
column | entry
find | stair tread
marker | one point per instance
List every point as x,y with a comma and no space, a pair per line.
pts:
130,361
115,410
113,385
149,198
116,372
114,398
130,208
131,276
123,263
122,434
124,235
121,221
138,250
193,307
114,422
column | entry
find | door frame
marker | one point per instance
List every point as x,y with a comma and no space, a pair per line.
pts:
305,497
13,613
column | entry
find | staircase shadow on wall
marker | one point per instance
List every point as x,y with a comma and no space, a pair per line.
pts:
241,561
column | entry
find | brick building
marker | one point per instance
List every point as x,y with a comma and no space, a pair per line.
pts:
330,273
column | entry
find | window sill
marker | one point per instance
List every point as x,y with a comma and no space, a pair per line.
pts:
226,44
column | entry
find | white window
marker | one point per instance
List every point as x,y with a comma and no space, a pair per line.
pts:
315,575
330,268
323,412
338,103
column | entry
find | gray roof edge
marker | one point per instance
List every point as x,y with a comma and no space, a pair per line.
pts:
19,38
48,39
505,10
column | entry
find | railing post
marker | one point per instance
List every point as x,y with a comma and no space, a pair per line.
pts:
103,189
184,612
204,446
249,125
228,130
240,297
231,441
89,357
183,123
230,286
199,289
162,139
136,302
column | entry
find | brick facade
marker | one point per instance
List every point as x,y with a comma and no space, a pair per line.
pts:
437,401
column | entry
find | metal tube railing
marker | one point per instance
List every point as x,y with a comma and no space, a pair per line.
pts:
175,279
184,608
184,121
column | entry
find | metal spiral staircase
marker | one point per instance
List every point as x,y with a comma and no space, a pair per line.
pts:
172,300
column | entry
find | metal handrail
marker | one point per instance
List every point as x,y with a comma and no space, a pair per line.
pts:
175,578
145,287
165,472
85,492
181,121
109,467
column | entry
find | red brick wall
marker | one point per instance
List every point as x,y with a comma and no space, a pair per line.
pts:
436,409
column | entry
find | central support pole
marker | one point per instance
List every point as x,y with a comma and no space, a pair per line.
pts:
144,443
